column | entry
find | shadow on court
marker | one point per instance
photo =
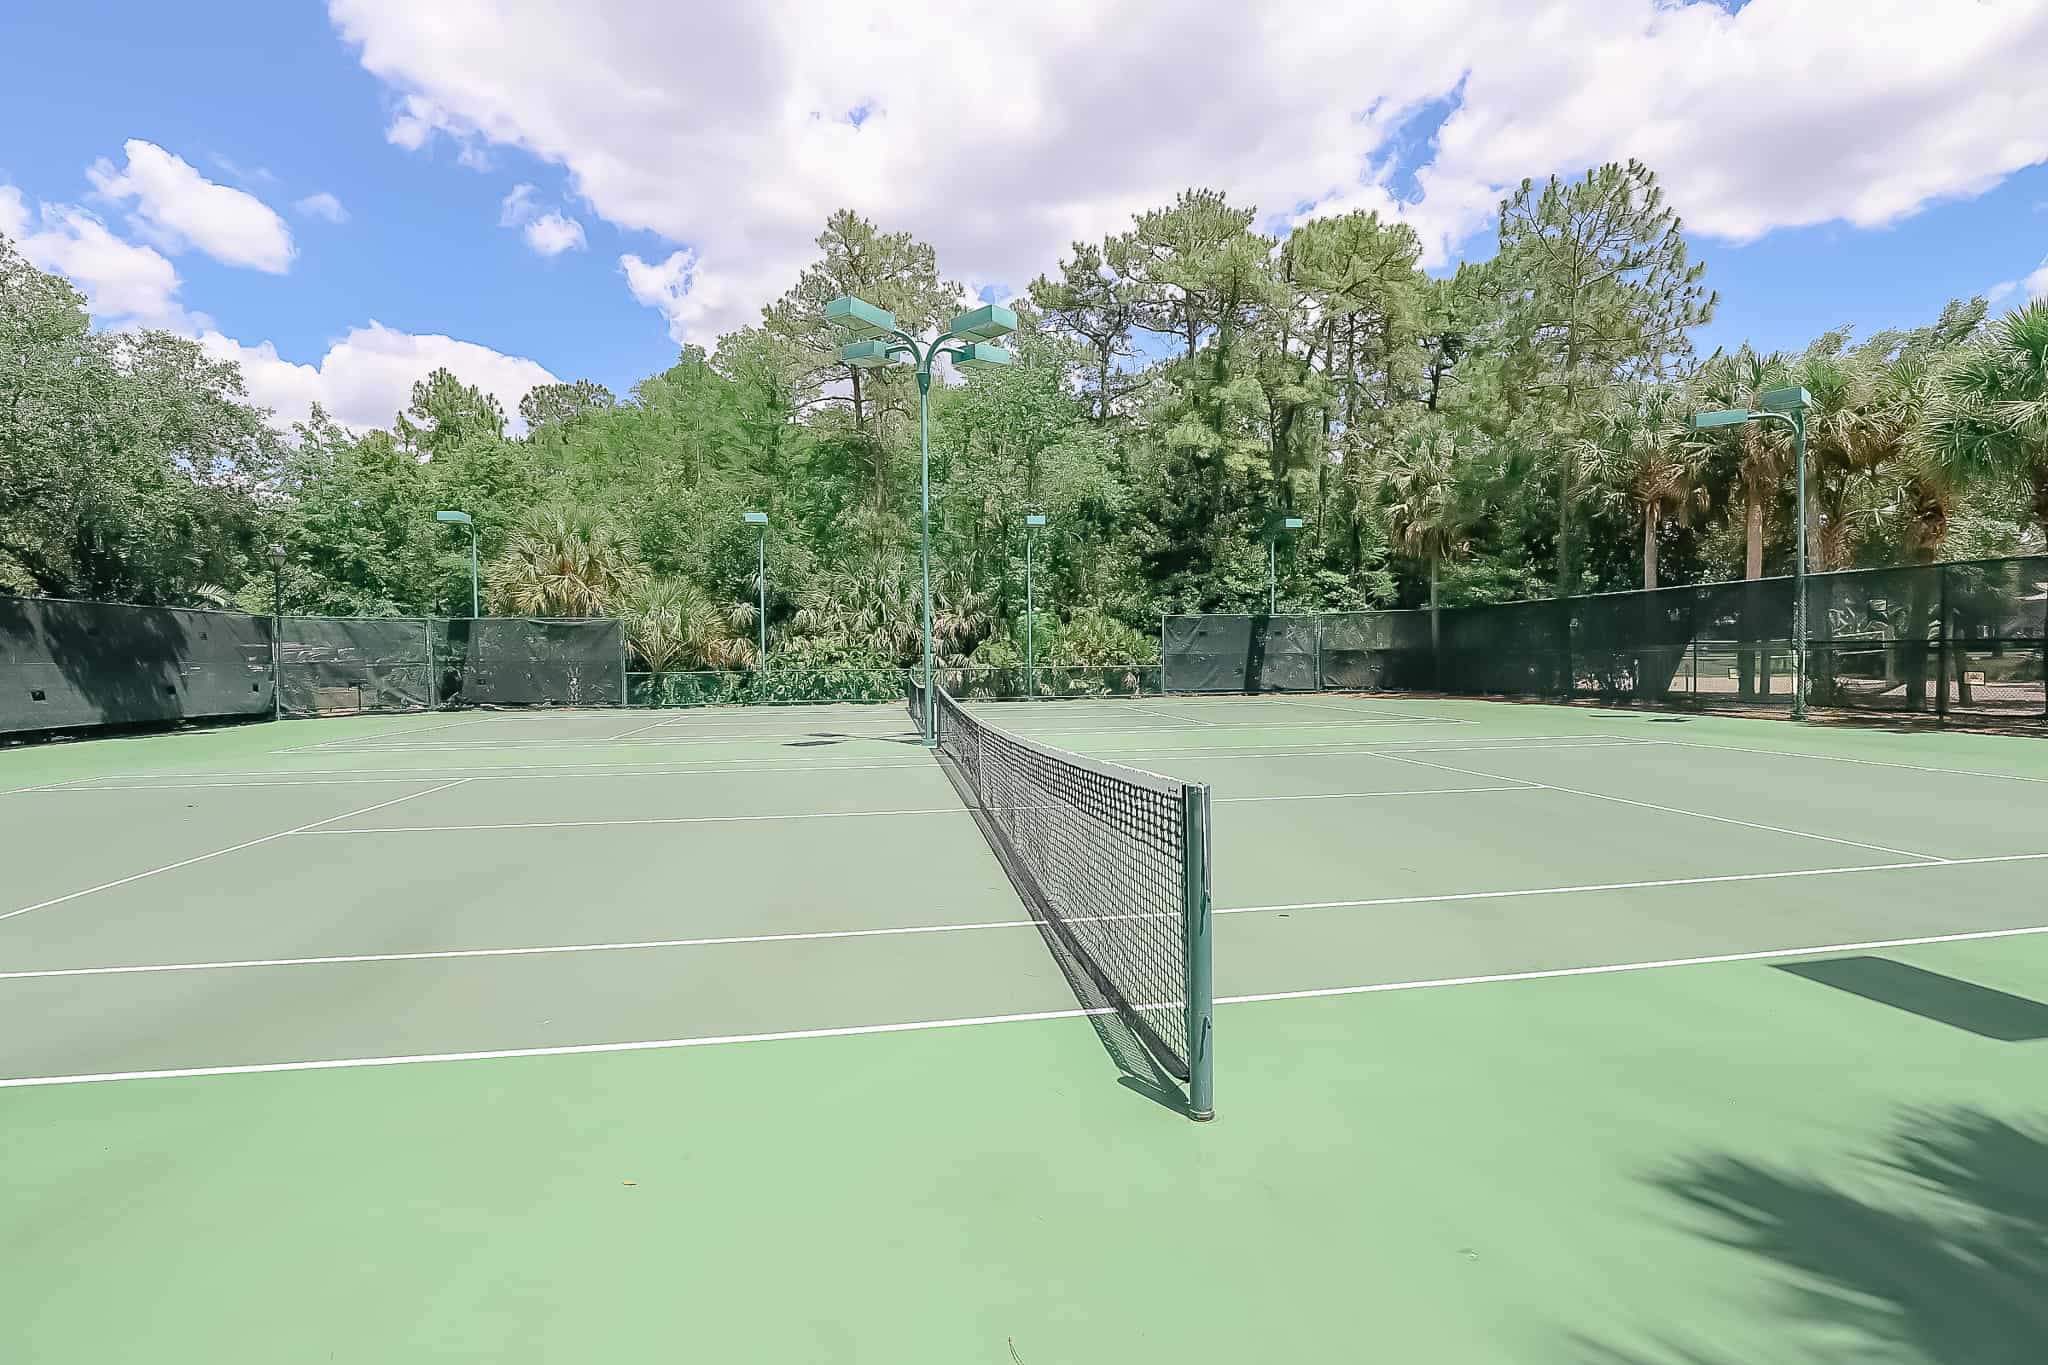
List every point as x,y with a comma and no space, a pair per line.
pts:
1935,1248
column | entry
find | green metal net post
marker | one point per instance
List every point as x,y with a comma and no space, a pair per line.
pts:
1201,1004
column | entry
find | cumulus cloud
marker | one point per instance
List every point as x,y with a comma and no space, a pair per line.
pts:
175,207
734,131
2027,288
367,376
124,284
322,205
551,234
362,379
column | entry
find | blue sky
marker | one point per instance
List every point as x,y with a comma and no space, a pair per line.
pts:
696,154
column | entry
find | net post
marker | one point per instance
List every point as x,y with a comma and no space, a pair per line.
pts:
433,673
1201,1000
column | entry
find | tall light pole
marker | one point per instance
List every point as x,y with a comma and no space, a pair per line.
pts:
1788,406
760,519
277,632
875,340
464,519
1031,523
1273,564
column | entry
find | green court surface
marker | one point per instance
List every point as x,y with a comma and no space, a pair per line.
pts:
1543,1034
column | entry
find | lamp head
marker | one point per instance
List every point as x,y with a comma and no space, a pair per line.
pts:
1034,521
1787,400
277,555
865,355
1724,417
858,319
459,518
754,518
1291,524
985,323
980,356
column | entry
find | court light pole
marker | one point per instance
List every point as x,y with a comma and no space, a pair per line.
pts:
874,340
1788,406
1273,564
1031,523
760,519
276,632
464,519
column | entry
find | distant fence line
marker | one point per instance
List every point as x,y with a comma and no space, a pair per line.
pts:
1967,637
72,665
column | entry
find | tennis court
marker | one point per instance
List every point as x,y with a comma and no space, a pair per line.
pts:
1541,1034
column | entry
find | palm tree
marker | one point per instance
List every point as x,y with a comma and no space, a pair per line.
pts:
1989,411
1634,442
1763,459
563,562
672,623
1428,509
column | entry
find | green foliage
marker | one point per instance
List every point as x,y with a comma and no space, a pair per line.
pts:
1179,389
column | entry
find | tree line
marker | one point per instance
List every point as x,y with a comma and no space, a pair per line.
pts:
1516,428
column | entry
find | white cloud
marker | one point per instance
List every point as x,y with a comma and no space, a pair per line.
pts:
551,234
734,130
362,380
366,378
175,206
516,207
2029,287
124,284
322,205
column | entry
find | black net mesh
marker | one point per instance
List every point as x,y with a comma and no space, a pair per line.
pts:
1100,854
1375,651
1207,654
64,665
331,666
514,661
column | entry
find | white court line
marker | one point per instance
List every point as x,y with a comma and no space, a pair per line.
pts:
610,739
506,772
381,734
802,936
1604,969
1676,810
1508,786
648,820
1443,898
223,852
922,1025
606,741
1371,748
1839,758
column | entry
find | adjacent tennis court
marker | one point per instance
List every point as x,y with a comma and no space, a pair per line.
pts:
1540,1033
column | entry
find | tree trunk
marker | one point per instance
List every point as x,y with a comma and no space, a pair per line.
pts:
1649,546
1102,390
2040,475
1752,569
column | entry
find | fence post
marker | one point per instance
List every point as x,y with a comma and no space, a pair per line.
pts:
433,673
1941,647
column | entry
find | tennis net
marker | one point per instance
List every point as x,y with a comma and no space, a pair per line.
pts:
1114,863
